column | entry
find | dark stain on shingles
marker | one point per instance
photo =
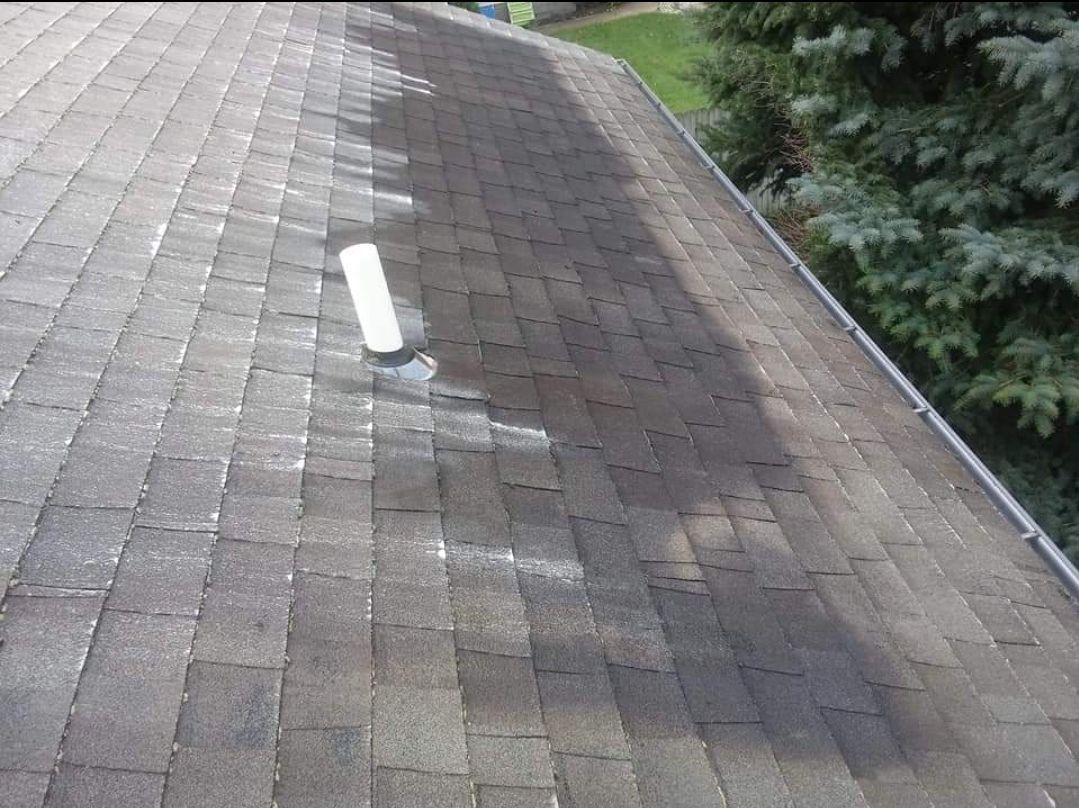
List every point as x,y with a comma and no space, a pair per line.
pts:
576,236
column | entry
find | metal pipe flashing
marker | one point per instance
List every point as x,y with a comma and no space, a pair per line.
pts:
1028,528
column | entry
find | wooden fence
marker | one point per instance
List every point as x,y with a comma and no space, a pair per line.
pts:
696,119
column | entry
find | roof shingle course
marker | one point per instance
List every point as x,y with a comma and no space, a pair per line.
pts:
655,498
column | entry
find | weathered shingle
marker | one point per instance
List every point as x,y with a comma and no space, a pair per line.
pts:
656,535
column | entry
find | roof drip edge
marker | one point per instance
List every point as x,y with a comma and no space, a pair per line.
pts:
997,492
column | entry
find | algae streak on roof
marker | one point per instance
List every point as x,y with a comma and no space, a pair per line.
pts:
657,535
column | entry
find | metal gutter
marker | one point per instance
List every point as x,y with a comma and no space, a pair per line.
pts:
1029,530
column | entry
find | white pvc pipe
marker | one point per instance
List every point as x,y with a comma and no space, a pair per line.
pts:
371,298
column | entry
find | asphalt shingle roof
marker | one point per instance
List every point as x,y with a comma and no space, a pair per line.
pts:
657,535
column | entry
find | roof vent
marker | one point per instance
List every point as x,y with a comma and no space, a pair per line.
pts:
384,349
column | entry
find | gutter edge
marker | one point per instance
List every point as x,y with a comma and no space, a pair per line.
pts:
997,492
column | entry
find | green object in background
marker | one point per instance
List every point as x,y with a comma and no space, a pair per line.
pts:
924,157
521,13
661,47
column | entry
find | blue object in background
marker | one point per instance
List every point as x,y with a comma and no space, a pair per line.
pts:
489,10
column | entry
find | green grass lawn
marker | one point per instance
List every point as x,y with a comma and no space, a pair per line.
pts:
661,47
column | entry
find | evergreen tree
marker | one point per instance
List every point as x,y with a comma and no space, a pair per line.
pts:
932,150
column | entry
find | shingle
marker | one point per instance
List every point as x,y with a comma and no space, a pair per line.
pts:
31,194
394,788
494,320
658,536
411,587
586,485
245,612
327,683
565,413
509,360
1018,795
614,317
808,537
752,630
997,685
581,715
1062,796
624,441
449,317
598,782
17,523
286,344
583,335
255,518
45,643
522,449
894,795
488,611
944,606
401,405
513,797
530,300
848,528
668,757
562,630
512,392
883,514
630,358
694,405
24,789
954,696
744,436
424,724
1019,753
76,547
213,778
461,424
229,708
807,755
746,766
538,507
500,695
948,779
879,659
776,564
440,270
835,682
625,616
1000,619
689,486
471,507
708,533
1044,682
81,786
599,381
520,762
327,678
655,409
183,494
329,768
130,693
33,442
405,472
706,664
334,548
585,286
868,746
544,340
